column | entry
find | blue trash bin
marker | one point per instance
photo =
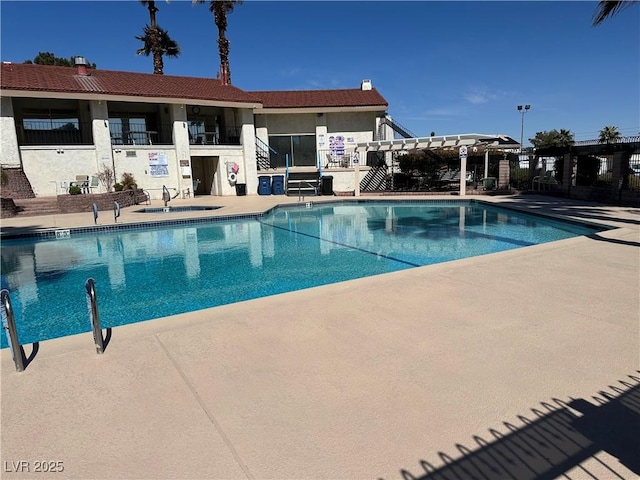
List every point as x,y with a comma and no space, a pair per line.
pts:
264,185
277,185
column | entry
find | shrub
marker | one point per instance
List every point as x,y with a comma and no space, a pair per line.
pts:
128,182
519,178
106,177
118,187
75,190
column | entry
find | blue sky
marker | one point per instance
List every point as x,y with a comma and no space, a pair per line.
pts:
448,67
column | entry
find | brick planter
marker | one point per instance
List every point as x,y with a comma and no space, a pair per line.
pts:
84,203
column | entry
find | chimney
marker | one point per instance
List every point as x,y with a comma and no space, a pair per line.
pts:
81,63
365,85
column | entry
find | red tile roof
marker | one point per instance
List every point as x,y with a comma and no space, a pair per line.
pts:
45,78
321,98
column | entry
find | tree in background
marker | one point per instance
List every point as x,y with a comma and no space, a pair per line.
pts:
48,58
609,134
553,138
608,8
220,10
156,41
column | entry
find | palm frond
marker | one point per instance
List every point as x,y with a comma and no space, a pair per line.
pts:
608,8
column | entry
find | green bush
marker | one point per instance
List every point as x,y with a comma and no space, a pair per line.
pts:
128,182
519,178
118,187
75,190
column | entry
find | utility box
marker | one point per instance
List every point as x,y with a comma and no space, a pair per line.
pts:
277,185
264,185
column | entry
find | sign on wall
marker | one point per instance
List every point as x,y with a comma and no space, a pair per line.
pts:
158,164
336,145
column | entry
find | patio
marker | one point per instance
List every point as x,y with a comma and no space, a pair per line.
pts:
504,365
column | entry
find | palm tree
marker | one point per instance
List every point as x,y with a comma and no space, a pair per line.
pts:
156,40
565,138
608,8
220,9
609,134
157,43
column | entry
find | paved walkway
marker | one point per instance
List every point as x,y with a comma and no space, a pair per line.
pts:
522,364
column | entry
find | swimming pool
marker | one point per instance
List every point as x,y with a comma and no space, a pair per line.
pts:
146,273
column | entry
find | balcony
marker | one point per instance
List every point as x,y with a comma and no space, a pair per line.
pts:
223,136
51,132
136,134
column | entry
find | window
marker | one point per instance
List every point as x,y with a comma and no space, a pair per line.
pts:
301,150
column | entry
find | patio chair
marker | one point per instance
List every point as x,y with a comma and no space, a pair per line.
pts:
82,181
333,160
94,183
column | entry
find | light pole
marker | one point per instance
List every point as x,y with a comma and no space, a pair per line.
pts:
522,111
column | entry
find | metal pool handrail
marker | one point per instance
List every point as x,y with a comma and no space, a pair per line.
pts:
92,306
9,325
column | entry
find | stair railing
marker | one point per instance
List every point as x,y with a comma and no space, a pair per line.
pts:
263,154
300,195
398,128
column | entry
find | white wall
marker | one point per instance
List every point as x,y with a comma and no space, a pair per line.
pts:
9,153
47,167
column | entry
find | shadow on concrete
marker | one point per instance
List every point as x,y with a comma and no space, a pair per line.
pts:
588,211
596,236
26,361
552,440
106,339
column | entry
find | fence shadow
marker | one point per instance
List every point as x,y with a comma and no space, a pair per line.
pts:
554,438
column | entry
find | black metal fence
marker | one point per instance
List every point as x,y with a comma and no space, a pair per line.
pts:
48,132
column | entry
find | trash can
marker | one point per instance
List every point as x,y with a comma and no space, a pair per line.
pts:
264,185
241,189
277,185
489,183
327,185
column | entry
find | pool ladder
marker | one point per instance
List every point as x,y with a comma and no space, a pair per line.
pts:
9,324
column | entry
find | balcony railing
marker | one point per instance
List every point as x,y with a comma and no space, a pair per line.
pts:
338,158
80,133
55,133
223,136
142,135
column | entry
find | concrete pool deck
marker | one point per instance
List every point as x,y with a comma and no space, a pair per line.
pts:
520,364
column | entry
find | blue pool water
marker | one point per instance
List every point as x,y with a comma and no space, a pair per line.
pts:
143,274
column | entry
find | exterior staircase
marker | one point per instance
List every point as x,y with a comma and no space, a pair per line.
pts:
403,131
263,155
375,180
305,184
36,206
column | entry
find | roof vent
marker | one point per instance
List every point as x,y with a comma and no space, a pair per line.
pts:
81,63
365,85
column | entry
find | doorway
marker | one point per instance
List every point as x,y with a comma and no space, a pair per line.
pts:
204,172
